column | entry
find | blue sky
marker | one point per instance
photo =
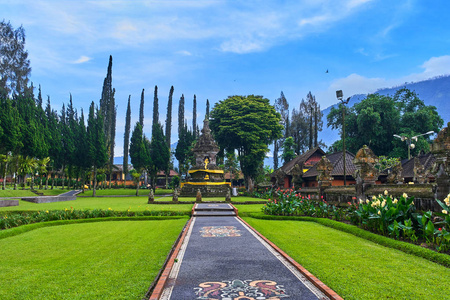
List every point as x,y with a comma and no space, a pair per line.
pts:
219,48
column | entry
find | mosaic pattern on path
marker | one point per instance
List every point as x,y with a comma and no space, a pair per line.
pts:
240,289
220,231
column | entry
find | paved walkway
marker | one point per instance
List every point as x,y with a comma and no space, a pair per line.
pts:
222,258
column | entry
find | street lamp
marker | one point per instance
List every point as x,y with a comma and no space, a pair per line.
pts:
410,139
340,97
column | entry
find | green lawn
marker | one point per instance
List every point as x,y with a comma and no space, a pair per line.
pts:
105,260
28,193
125,192
354,267
115,203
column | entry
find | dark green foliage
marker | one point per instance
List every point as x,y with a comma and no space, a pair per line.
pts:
246,124
138,153
288,149
207,109
377,118
183,151
159,153
126,137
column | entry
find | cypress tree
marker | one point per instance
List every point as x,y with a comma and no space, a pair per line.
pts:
194,118
169,118
141,110
181,115
155,109
126,137
207,108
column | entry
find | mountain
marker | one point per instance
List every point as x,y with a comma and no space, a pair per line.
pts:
434,91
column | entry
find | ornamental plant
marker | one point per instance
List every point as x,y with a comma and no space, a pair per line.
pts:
384,213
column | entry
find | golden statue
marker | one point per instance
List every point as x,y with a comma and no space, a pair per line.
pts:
206,163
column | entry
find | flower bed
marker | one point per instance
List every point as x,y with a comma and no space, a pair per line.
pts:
382,214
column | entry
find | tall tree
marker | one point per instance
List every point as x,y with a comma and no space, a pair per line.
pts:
169,133
169,117
159,154
183,151
126,137
282,107
14,63
207,109
181,115
155,109
194,117
141,110
109,113
288,149
247,124
375,120
98,153
138,152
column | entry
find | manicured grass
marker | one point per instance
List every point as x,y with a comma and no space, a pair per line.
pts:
354,267
115,203
244,209
104,260
9,192
125,192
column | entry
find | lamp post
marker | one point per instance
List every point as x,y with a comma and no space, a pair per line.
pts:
410,139
340,97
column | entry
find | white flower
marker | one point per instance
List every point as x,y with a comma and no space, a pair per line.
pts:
379,212
374,198
445,212
405,195
361,201
395,201
385,192
367,201
383,204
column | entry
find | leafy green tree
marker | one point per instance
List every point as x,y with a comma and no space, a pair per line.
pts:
377,118
246,124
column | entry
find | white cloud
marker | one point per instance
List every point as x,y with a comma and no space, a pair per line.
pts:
184,53
82,59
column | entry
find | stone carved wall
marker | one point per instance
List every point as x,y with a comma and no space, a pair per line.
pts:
366,174
441,168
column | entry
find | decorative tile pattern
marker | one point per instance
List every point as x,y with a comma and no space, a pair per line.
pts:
240,289
220,231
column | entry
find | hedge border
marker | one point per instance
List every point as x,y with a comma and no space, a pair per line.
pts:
439,258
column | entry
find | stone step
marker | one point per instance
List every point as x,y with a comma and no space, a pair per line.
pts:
214,213
213,210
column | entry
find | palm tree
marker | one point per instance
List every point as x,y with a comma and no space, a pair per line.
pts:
42,169
26,166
